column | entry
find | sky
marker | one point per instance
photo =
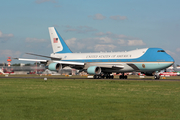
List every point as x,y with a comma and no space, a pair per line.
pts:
88,26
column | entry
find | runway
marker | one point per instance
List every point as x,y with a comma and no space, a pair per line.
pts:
83,78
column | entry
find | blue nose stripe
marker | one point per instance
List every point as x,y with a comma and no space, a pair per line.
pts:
152,55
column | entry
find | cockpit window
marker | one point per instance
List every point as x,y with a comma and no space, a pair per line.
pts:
160,51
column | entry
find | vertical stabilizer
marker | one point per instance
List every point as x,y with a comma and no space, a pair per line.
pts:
58,44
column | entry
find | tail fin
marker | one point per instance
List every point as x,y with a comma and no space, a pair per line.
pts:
58,44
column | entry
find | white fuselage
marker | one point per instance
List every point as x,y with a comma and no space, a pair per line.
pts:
101,55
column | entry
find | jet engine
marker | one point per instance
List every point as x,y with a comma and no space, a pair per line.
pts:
54,66
94,70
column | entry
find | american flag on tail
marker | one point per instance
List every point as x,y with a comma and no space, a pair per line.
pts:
55,40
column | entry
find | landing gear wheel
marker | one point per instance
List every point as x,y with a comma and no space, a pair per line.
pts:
123,77
111,77
98,77
95,77
156,77
108,76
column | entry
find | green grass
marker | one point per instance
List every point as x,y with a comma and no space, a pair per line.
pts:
89,99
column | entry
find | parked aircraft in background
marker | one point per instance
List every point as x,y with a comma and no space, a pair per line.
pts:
171,71
102,65
1,72
169,74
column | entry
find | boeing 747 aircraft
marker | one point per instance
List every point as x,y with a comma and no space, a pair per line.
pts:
148,60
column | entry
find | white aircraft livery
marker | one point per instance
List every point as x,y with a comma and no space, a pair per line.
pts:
148,60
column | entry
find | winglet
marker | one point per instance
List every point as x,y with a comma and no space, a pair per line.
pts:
58,44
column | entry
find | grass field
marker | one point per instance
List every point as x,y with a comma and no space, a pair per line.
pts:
89,99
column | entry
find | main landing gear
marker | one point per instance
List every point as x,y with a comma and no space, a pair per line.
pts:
123,76
109,76
103,76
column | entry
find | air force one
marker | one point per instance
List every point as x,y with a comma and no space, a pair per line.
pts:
148,60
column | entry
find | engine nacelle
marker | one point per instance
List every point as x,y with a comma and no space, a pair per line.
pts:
94,70
54,66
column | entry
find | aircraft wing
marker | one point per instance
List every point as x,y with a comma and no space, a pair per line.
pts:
77,65
52,58
44,61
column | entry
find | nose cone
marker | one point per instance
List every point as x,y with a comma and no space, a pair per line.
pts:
171,59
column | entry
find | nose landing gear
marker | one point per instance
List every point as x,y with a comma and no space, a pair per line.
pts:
157,76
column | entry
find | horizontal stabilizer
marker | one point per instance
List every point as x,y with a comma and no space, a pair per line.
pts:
53,58
35,60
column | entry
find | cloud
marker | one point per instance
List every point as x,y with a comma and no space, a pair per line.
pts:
98,17
71,41
75,44
111,35
35,40
178,49
99,34
5,37
174,55
80,29
80,46
121,39
171,53
42,1
100,47
121,42
9,53
135,43
101,44
105,39
118,17
122,36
